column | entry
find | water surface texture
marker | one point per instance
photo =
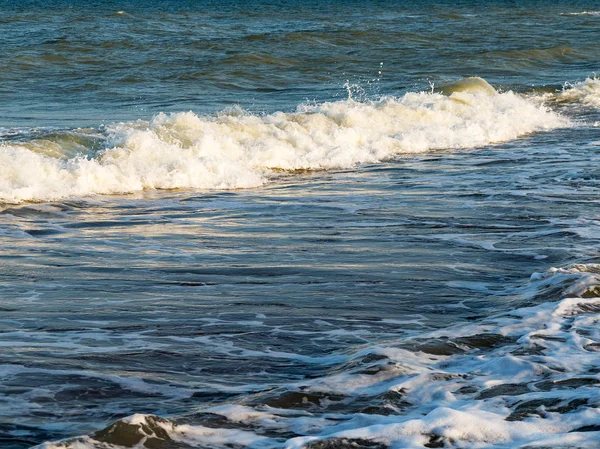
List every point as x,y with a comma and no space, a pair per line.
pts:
299,225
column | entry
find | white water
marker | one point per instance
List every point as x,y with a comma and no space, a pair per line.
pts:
585,92
538,388
583,13
239,150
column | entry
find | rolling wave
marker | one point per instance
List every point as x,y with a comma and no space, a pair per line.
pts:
239,150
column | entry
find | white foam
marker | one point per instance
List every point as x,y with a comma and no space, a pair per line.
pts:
583,13
448,399
585,92
467,421
239,150
147,427
548,343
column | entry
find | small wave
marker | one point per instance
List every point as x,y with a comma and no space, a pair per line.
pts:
585,92
240,150
548,56
583,13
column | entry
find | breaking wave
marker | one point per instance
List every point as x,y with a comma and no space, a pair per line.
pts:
583,13
236,149
585,92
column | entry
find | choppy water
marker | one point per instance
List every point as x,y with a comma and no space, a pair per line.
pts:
305,225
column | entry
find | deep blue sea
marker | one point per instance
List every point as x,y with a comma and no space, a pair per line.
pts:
303,224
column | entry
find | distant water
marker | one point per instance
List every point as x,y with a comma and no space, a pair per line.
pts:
315,224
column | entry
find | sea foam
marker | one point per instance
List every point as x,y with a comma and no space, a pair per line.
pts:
240,150
585,92
525,378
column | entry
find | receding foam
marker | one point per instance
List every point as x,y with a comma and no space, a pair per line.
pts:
524,378
585,92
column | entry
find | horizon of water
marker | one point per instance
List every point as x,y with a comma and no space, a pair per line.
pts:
318,224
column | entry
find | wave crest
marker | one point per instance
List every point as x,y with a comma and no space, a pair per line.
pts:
240,150
585,92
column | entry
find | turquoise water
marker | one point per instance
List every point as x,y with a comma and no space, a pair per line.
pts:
318,224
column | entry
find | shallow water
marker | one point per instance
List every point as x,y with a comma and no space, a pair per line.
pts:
328,251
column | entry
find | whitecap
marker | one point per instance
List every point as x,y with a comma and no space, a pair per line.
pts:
241,150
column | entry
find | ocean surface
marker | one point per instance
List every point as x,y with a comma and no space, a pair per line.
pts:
303,224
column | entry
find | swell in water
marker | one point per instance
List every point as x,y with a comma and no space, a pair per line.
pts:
527,379
236,149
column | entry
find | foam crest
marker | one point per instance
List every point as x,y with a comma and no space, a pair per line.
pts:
145,431
240,150
585,92
583,13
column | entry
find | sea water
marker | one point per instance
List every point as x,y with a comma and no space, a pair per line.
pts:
304,224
